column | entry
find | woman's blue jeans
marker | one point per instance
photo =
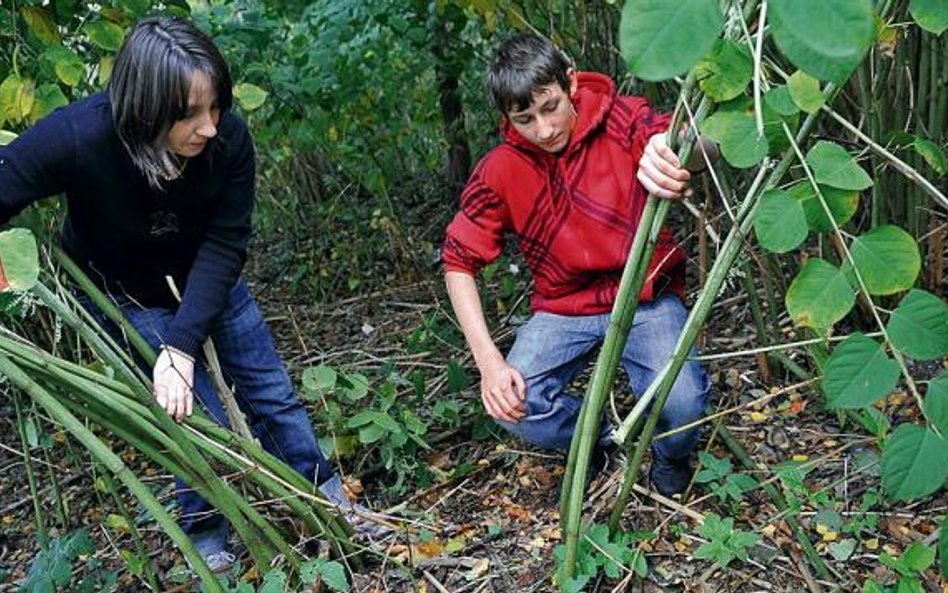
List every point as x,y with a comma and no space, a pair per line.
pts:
550,350
262,388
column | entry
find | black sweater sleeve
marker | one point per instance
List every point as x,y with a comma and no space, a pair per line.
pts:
36,164
221,256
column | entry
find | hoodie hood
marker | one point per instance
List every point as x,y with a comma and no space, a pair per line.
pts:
593,99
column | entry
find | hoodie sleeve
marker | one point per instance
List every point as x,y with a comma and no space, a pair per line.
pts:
474,238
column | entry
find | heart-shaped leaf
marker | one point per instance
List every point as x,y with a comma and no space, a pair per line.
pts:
887,259
825,39
733,127
858,373
661,39
820,295
842,203
780,222
19,260
805,91
931,15
915,463
919,326
725,73
835,167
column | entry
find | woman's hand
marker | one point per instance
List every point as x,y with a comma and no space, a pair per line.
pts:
661,172
503,391
173,378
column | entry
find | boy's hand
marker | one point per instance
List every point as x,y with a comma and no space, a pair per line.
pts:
661,172
503,391
173,378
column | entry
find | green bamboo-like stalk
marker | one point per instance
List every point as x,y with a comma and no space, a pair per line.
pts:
586,432
700,311
39,514
114,464
114,407
252,527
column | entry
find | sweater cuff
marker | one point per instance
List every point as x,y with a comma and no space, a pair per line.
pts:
182,340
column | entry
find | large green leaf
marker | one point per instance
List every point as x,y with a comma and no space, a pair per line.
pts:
661,39
936,403
805,91
779,222
858,373
919,326
68,66
733,127
931,15
825,39
887,259
820,295
16,98
249,96
6,137
19,260
779,99
41,23
105,34
835,167
915,462
725,73
932,153
841,203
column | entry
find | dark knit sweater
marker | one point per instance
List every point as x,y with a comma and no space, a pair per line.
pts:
128,236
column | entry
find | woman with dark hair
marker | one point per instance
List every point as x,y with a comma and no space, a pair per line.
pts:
158,175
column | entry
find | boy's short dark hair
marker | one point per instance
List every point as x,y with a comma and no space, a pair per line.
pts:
521,65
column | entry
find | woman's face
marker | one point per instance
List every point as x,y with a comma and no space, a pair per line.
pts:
189,135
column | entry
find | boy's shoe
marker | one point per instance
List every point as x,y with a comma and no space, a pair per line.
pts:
670,476
211,544
220,561
354,513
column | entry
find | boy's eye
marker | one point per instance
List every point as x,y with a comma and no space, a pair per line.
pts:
550,107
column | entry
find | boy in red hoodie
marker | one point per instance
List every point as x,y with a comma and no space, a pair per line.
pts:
570,180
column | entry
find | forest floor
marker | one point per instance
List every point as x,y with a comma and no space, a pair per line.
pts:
495,527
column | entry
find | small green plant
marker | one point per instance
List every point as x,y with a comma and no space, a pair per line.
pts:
916,559
384,421
724,542
720,478
52,569
613,553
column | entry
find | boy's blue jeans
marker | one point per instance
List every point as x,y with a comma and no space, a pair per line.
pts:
262,387
550,350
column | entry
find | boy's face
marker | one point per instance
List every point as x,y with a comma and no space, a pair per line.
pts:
548,121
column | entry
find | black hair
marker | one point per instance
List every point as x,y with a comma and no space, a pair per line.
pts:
520,66
149,88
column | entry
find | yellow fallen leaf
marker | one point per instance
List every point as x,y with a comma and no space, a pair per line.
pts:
769,530
872,543
757,417
801,458
830,536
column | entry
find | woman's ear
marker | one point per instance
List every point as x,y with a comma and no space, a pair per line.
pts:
573,83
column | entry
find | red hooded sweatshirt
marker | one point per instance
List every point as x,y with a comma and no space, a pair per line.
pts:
574,213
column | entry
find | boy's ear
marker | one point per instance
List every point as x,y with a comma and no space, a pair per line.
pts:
573,82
